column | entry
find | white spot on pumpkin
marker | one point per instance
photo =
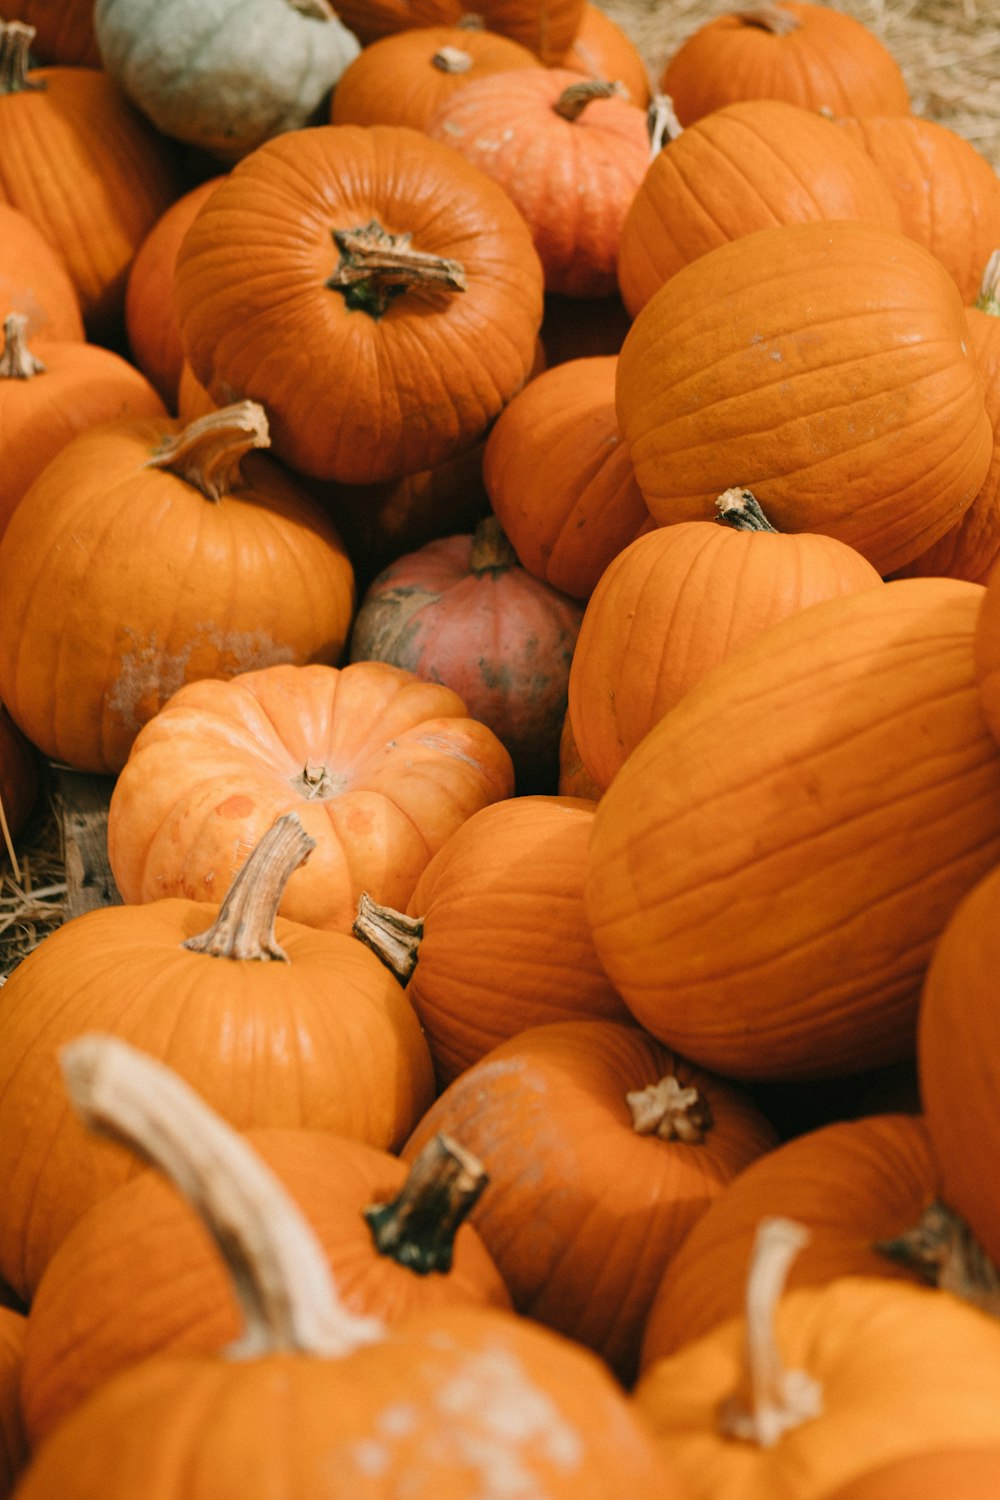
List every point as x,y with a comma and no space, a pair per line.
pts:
370,1457
398,1420
148,674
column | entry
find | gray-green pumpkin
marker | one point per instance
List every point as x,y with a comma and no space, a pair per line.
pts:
224,75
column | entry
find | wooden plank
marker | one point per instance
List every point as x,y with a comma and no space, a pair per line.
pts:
82,804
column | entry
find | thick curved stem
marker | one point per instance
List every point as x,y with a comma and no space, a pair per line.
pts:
418,1227
391,935
16,360
669,1110
771,18
244,928
574,99
280,1274
739,509
208,453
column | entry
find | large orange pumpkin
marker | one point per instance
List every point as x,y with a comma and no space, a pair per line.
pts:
973,1473
387,310
34,280
826,367
773,864
381,767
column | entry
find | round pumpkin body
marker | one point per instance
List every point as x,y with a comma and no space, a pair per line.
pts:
150,319
429,366
13,1438
560,478
325,1041
773,355
149,587
601,49
583,1211
778,922
852,1185
574,778
505,943
749,166
901,1370
100,1306
88,171
405,78
380,767
948,194
34,280
571,160
973,1473
219,76
546,30
461,612
803,53
677,602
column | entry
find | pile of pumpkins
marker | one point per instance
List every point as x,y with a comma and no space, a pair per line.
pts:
519,535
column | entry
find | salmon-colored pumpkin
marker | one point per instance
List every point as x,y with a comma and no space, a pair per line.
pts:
773,864
34,280
767,362
601,49
381,768
366,373
751,165
679,600
560,478
324,1040
602,1149
807,54
498,939
85,168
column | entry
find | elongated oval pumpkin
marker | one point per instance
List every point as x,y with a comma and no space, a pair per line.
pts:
825,366
773,864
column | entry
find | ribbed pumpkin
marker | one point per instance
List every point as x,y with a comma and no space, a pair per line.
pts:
973,1473
381,768
602,1149
325,1039
497,932
193,557
387,310
34,280
574,778
947,192
13,1439
570,152
773,864
86,169
546,29
150,317
828,365
804,53
971,547
315,1401
678,601
462,612
560,478
405,78
844,1377
751,165
48,396
851,1185
137,1275
601,49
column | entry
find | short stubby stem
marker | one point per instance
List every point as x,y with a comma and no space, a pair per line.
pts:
771,18
16,360
375,267
943,1251
739,509
574,99
391,935
670,1111
451,60
15,42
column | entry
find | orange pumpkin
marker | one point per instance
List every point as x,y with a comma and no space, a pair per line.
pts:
388,310
574,778
972,1473
560,478
381,768
602,1150
772,356
547,30
13,1438
680,600
88,171
34,280
752,165
497,939
64,33
18,781
804,53
275,1023
827,796
601,49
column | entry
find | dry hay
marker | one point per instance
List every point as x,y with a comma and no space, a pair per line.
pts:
32,895
949,51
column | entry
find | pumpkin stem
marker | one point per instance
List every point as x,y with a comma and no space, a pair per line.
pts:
314,10
418,1228
471,21
944,1252
770,18
988,300
452,60
208,453
574,99
661,123
280,1275
375,267
491,551
16,360
391,935
244,928
773,1399
16,38
669,1110
738,508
